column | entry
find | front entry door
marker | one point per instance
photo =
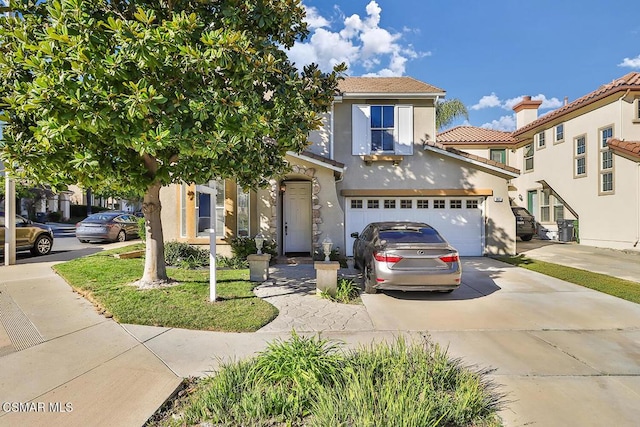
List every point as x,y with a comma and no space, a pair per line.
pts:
297,217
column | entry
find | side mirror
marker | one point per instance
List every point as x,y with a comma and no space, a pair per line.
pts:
354,235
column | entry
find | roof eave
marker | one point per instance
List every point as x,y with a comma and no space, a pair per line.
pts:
394,95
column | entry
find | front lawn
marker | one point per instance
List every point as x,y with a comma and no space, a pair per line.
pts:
105,281
620,288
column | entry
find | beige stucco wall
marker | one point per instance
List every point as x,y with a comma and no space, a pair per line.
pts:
425,170
611,220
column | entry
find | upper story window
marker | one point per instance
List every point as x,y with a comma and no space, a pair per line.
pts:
540,140
580,157
528,157
559,133
606,161
382,129
636,110
498,155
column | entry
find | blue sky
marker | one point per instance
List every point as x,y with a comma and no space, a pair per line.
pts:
487,53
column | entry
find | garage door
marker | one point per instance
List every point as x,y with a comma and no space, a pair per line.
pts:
459,220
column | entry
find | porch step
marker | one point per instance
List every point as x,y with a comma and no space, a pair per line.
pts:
283,259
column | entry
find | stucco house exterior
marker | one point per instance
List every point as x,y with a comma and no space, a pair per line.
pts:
581,161
376,158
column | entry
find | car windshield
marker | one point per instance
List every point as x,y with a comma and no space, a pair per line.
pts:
411,235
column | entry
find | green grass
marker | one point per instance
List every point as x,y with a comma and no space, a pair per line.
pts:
105,280
312,382
620,288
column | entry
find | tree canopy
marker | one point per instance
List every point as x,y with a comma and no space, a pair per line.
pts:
449,110
134,95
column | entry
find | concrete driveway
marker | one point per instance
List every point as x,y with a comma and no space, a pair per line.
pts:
565,355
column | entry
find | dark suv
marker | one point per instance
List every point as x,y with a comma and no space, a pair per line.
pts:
526,225
38,238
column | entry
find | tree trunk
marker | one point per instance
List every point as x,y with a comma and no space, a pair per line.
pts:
155,270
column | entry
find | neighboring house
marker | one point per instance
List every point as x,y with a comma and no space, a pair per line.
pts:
375,159
581,161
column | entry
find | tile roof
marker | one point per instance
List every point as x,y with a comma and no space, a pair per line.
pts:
442,147
628,81
384,85
472,135
628,148
322,159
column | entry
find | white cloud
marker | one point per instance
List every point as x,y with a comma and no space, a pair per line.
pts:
314,20
361,42
504,123
630,62
487,101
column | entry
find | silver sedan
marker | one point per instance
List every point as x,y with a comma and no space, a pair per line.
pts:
407,256
107,226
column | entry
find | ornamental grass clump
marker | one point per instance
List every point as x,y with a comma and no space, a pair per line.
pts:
311,382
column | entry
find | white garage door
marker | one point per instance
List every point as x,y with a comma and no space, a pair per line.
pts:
460,220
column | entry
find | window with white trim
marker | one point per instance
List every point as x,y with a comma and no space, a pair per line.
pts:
606,161
545,202
558,210
559,133
389,204
384,129
580,156
455,204
540,140
356,204
373,204
422,203
406,204
472,204
636,110
528,157
438,204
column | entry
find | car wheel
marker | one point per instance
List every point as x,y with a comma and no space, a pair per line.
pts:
368,284
526,237
42,246
122,236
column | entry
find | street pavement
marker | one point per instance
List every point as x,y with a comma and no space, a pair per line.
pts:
563,354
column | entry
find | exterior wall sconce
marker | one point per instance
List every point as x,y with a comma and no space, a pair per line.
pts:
326,248
283,187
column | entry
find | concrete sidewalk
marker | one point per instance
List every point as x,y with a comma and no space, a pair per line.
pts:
63,364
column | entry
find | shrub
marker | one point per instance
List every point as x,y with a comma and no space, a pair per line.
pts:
54,216
235,262
242,247
184,255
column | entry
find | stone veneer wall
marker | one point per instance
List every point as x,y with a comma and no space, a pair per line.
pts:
305,173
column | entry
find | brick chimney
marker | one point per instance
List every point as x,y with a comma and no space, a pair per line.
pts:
526,111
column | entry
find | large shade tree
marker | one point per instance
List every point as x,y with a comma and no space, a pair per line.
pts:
132,95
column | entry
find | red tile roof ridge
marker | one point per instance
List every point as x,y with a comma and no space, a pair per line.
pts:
628,81
470,156
465,134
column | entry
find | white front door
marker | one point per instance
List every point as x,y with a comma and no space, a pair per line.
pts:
297,217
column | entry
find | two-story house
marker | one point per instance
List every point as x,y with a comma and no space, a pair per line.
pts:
581,161
375,159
